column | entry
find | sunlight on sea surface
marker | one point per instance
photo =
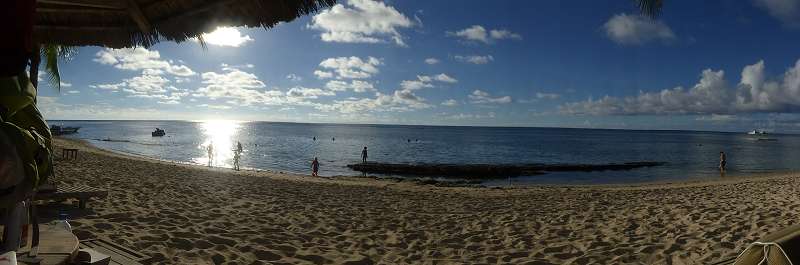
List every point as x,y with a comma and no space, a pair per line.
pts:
219,135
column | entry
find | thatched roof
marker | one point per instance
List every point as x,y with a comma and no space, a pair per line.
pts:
127,23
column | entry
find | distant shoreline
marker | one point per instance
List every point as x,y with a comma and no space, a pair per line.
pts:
441,125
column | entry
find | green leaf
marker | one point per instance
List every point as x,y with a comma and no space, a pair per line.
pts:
51,54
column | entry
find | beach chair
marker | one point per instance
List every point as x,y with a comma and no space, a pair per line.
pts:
81,192
779,248
119,255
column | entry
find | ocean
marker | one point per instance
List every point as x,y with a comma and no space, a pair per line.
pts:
289,147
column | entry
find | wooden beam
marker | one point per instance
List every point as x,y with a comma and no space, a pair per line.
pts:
81,11
85,3
138,16
69,28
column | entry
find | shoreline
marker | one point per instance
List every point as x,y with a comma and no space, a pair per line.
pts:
424,180
188,214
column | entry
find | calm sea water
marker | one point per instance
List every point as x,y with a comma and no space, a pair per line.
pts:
289,147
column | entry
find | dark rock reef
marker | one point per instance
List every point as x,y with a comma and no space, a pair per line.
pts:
488,171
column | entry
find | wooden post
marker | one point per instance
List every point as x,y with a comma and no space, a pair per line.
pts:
36,59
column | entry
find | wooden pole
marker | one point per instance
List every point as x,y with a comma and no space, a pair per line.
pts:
33,72
36,59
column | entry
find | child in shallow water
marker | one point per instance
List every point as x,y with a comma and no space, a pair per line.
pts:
315,167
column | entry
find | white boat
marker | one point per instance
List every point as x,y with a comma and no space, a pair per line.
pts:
62,130
756,132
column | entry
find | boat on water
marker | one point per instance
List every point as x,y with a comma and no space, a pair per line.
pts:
756,132
62,130
158,132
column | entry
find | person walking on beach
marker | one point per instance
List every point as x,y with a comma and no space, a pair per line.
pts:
210,150
315,168
239,147
364,155
723,161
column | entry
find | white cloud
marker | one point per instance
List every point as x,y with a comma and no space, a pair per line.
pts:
310,93
465,116
479,34
294,77
424,81
179,79
415,84
431,60
146,85
540,95
181,70
210,106
482,97
226,36
717,118
361,21
474,59
359,86
403,99
113,87
787,11
349,67
238,87
52,108
399,101
711,95
169,102
504,34
450,103
242,87
323,74
152,72
445,78
635,30
474,33
73,92
140,59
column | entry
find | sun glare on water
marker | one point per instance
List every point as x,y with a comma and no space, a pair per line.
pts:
219,134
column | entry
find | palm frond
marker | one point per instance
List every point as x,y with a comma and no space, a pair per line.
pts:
52,53
650,8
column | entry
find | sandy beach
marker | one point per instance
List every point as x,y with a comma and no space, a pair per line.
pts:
185,214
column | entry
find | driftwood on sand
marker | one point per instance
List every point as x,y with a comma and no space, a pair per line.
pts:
491,171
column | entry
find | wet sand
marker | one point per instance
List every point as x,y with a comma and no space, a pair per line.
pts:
184,214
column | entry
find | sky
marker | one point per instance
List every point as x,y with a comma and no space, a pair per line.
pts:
700,65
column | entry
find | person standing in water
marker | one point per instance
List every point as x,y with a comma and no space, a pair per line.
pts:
315,168
236,156
723,161
364,155
210,150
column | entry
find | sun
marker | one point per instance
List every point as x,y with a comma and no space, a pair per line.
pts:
226,36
